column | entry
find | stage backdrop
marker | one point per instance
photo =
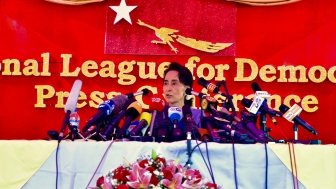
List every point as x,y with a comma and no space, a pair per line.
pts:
289,50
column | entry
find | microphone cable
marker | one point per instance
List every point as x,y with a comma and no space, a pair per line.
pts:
293,164
207,166
56,159
234,162
101,161
208,157
266,166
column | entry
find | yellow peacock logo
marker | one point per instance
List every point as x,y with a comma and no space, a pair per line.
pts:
167,36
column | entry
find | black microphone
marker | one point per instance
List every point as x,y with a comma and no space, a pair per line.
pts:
121,113
113,125
133,111
209,104
248,122
208,123
142,92
255,87
263,108
145,119
283,108
105,109
210,86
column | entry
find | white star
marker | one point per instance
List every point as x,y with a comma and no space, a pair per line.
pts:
123,12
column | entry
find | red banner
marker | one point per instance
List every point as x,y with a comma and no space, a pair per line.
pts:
287,49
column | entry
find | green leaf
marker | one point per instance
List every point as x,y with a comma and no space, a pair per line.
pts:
154,154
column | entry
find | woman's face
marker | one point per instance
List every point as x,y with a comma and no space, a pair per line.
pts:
173,89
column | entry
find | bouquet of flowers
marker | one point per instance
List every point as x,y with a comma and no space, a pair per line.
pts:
153,172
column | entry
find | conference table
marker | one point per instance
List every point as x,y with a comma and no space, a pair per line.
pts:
31,164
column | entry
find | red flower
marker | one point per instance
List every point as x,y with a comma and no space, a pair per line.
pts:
211,185
167,174
150,169
153,171
162,160
121,174
100,181
122,186
143,163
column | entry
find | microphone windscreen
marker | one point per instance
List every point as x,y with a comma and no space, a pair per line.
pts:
145,91
134,109
146,116
246,102
255,87
119,102
188,91
175,114
203,82
71,102
283,108
186,110
155,102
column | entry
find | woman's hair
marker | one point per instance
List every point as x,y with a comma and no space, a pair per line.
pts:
184,75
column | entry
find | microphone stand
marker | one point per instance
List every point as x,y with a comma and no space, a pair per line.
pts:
264,128
296,134
228,97
74,133
98,127
64,124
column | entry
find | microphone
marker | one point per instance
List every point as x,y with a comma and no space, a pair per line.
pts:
132,111
70,106
156,104
210,86
255,87
105,109
145,119
142,92
74,124
209,104
122,111
208,123
71,102
175,115
233,117
263,108
186,110
248,122
283,108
